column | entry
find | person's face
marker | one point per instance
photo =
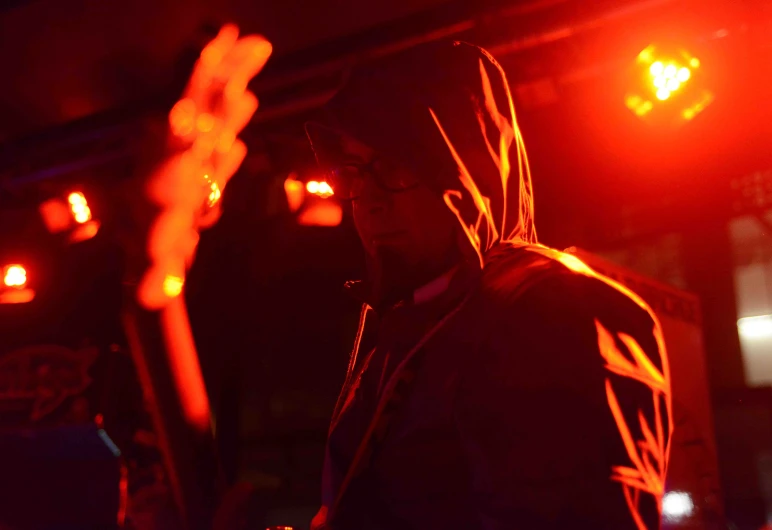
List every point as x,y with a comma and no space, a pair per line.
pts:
411,229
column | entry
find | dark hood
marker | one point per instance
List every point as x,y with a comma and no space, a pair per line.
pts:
444,110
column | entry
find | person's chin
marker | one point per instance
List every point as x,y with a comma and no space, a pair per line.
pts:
392,265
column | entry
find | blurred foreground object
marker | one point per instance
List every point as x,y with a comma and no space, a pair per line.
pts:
203,154
72,216
181,195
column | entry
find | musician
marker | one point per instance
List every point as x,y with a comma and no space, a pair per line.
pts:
507,384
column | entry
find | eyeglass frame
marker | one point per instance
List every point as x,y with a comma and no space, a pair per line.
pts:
363,169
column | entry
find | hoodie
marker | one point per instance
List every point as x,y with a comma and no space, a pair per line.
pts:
531,392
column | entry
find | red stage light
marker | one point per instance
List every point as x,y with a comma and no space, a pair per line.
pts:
667,79
321,189
14,287
313,212
15,276
79,207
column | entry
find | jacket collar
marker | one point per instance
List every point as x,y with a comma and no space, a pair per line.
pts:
361,291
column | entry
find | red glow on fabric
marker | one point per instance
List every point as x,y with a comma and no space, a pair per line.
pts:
649,457
484,232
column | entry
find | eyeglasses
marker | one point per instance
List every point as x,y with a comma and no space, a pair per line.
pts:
348,179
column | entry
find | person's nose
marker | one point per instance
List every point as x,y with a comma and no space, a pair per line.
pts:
373,199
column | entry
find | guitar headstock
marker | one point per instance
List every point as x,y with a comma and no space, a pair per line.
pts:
203,152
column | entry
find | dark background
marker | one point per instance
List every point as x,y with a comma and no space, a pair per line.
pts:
270,317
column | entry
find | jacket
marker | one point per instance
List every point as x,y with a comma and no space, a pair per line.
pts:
528,392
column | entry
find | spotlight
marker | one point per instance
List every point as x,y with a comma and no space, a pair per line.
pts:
321,189
72,216
14,288
669,88
15,276
312,212
79,207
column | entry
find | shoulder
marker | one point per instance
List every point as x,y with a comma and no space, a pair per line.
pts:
546,309
549,284
568,354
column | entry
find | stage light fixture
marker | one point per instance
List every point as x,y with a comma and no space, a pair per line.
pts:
312,212
14,288
15,276
71,214
320,189
668,88
79,207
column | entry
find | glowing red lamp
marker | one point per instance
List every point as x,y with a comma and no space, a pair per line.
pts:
72,216
669,87
14,288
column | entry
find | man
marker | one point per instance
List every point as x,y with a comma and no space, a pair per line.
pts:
508,385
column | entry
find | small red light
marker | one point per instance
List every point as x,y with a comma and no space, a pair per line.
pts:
15,276
321,189
79,207
14,287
